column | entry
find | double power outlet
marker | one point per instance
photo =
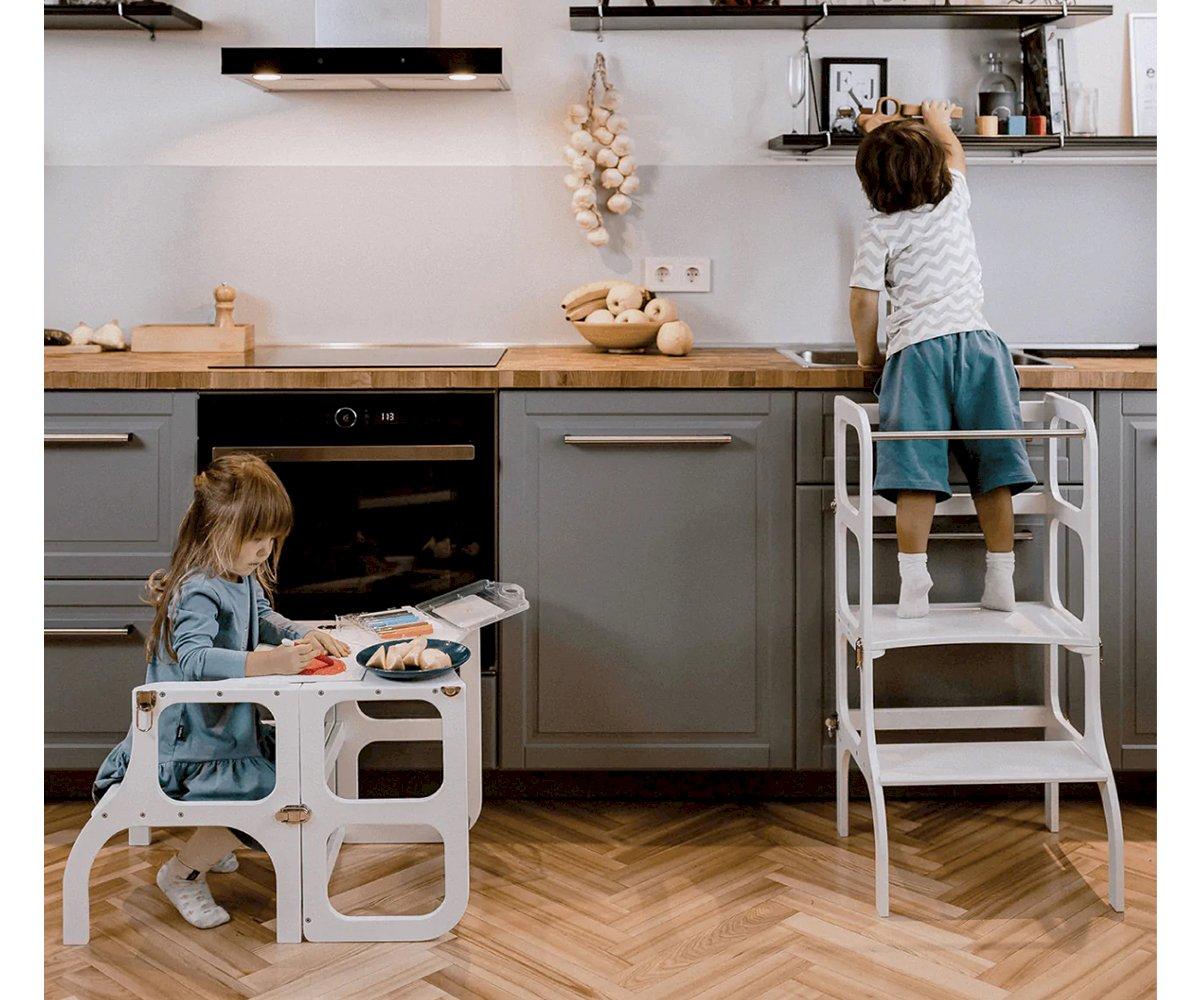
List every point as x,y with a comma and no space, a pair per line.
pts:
679,274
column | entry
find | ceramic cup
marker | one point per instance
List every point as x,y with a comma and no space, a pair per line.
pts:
1037,124
987,125
1016,125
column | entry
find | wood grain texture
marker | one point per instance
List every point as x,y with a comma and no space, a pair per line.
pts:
546,368
662,900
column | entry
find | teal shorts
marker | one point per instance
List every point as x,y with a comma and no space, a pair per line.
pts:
962,381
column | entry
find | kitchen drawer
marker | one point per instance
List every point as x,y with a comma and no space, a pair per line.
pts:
814,440
91,668
925,675
118,478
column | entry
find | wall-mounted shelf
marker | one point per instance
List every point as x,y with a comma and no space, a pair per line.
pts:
139,15
803,16
801,144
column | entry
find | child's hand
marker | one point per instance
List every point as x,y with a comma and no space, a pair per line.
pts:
326,643
936,113
285,660
871,360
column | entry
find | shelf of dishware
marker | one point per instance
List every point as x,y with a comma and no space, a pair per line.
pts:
137,15
692,17
1050,146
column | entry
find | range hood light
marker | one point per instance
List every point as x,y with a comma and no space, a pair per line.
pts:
461,75
267,76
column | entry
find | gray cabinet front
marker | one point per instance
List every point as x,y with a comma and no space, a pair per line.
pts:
652,532
118,477
1128,425
95,633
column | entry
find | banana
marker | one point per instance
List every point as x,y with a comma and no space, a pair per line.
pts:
585,293
591,305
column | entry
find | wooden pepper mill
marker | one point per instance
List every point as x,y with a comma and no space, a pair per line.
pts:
223,336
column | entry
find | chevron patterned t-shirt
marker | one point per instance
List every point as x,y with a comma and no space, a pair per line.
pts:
925,259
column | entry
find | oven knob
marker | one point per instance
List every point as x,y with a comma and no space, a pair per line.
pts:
345,417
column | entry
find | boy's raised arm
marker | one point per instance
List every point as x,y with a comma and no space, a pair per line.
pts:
937,118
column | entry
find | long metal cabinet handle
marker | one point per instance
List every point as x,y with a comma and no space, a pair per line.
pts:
116,438
357,453
959,536
602,440
1036,434
88,633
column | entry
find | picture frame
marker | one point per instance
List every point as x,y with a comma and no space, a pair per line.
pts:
844,76
1143,72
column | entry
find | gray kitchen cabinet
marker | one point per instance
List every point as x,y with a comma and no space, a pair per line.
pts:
118,477
652,532
920,676
1128,425
95,631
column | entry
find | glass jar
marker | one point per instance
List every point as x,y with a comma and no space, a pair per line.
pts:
997,90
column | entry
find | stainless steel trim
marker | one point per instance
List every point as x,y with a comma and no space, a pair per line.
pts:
603,440
356,453
114,438
960,536
91,633
1028,435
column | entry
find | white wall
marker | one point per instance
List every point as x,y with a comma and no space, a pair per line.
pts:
163,178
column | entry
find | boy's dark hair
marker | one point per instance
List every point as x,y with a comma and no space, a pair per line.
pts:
902,165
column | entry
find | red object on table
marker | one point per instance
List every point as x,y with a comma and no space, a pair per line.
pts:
323,665
1037,124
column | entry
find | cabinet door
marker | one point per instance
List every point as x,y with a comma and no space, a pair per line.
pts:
1128,427
923,676
118,478
814,441
659,575
94,656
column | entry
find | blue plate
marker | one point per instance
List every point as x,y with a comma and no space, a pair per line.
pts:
457,652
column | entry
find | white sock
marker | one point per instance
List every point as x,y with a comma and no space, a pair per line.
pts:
915,582
998,592
188,892
227,864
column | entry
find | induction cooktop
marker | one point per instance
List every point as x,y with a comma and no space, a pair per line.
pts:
368,356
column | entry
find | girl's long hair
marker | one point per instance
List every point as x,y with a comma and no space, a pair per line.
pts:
237,499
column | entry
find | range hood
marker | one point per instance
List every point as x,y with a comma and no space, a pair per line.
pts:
368,45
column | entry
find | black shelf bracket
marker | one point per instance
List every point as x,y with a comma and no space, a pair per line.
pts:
136,23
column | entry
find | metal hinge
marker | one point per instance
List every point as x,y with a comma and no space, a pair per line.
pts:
831,726
145,701
294,814
451,692
858,654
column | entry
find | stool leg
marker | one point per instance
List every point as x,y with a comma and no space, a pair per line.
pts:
1051,804
284,852
879,819
1050,699
76,895
843,792
139,836
1116,845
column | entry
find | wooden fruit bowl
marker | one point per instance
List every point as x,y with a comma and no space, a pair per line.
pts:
618,338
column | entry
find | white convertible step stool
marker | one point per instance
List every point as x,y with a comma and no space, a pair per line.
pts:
871,630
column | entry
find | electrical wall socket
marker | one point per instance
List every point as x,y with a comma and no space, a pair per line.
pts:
679,274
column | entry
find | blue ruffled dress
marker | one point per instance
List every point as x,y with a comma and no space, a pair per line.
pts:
210,751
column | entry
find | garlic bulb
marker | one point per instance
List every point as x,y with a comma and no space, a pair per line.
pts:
573,181
600,115
618,123
630,184
570,153
110,336
675,338
622,145
627,165
599,315
582,140
598,237
624,296
612,178
587,219
584,197
583,165
82,334
603,135
606,158
577,114
662,310
619,203
632,316
611,99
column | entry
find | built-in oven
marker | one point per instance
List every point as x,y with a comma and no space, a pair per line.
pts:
394,493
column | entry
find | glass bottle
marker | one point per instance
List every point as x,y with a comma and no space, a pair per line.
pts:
997,90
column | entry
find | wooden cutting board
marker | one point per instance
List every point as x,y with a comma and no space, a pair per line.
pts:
74,349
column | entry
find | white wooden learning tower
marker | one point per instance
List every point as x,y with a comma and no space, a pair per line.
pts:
1064,754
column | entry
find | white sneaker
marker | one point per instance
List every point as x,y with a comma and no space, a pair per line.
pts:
190,895
227,864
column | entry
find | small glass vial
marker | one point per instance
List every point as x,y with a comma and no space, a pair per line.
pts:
997,90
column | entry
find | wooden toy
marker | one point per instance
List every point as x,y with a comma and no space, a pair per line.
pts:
987,125
224,336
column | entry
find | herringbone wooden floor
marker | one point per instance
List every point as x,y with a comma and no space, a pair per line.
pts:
657,900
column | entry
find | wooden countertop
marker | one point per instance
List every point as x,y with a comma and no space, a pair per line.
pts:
546,368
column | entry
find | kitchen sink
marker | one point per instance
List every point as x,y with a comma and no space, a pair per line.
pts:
842,357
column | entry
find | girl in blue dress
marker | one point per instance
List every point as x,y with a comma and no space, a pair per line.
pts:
212,611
